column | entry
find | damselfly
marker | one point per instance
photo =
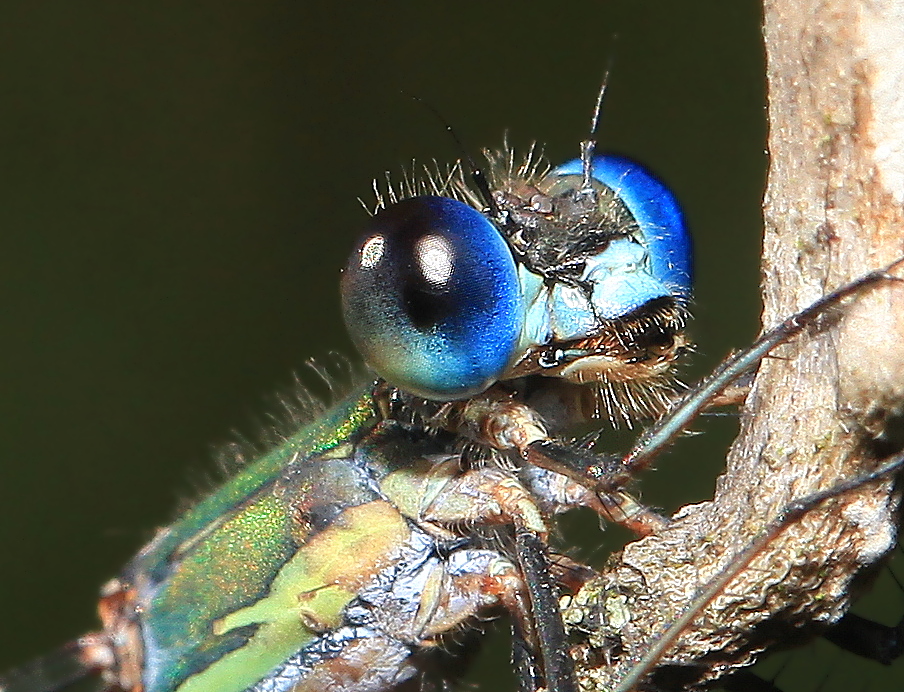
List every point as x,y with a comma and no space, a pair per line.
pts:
346,555
179,185
561,289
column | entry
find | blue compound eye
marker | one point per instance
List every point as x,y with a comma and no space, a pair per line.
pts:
431,298
657,213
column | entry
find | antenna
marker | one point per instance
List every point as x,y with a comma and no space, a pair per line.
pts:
478,177
589,145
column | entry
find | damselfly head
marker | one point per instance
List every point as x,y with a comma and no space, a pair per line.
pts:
588,283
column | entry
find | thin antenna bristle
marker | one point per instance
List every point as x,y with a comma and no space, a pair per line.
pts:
429,180
381,203
451,172
598,107
589,145
390,190
477,175
408,181
528,163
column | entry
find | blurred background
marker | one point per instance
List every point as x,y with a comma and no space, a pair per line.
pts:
178,195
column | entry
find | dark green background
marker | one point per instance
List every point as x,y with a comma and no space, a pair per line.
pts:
178,188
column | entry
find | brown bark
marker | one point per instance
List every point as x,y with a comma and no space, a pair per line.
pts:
818,410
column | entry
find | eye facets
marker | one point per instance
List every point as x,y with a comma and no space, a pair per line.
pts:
431,298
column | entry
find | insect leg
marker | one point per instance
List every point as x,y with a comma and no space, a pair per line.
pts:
660,435
528,670
546,617
492,496
791,513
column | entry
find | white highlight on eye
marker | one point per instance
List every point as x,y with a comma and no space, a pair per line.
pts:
372,251
436,258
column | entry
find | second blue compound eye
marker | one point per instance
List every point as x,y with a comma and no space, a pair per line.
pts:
431,298
656,212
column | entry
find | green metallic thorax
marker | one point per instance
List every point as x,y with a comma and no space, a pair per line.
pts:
331,562
218,592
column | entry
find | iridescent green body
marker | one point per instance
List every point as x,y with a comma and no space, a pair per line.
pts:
316,566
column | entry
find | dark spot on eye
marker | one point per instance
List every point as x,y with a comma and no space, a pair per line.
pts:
426,308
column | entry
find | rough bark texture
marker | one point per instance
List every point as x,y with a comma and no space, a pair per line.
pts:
833,211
